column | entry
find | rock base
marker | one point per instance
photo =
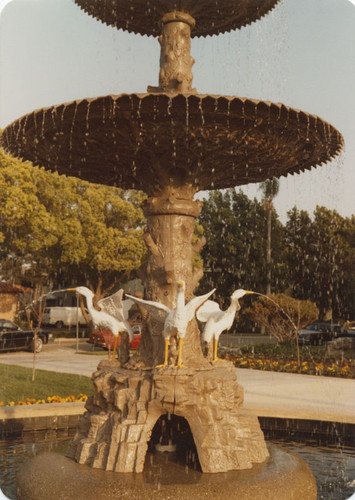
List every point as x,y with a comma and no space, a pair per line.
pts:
114,433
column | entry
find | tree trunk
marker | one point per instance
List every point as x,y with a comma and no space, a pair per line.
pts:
268,247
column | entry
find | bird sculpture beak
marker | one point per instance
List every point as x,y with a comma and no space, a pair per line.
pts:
180,284
71,290
248,292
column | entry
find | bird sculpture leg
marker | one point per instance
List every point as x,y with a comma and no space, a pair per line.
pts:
215,349
165,356
179,364
114,348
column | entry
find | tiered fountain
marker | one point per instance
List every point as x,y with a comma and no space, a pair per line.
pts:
171,143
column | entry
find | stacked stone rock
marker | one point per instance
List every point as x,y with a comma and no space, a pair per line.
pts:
114,433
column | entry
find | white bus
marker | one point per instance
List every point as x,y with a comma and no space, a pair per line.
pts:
61,309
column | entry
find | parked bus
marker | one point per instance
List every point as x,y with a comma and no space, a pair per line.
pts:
61,309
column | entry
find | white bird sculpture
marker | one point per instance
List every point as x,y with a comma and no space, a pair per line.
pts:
3,496
217,320
176,319
113,314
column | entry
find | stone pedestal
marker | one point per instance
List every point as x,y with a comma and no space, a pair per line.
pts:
114,432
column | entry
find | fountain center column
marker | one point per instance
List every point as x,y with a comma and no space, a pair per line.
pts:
175,74
172,248
169,236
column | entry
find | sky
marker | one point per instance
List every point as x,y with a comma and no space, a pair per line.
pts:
301,54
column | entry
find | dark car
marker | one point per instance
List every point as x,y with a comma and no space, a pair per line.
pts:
318,333
105,338
348,329
12,337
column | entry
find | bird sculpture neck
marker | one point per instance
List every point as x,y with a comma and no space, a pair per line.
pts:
89,302
180,299
234,306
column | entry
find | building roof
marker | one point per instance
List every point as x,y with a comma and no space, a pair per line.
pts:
12,288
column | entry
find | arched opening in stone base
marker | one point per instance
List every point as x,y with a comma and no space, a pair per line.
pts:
172,436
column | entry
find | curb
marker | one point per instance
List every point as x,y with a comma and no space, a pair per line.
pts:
41,410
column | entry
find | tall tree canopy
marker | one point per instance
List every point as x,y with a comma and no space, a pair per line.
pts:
321,260
313,257
62,230
234,255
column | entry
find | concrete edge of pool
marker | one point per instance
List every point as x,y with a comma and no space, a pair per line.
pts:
54,410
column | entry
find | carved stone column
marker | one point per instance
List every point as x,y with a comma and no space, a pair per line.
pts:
169,238
175,74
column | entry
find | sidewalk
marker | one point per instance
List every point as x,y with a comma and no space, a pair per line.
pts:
268,394
287,395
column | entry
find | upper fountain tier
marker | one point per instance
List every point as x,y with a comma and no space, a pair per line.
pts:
152,141
145,16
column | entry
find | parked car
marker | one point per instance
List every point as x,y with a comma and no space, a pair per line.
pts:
105,338
12,337
318,333
348,329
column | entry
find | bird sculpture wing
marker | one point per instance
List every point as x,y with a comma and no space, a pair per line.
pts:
113,305
157,310
195,303
118,309
208,309
209,330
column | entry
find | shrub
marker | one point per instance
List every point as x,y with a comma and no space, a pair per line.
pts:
281,315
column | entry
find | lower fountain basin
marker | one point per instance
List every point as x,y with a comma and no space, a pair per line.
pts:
283,476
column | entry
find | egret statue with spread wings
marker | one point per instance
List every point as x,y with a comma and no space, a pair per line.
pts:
176,319
113,313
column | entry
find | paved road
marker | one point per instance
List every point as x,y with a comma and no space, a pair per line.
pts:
239,339
59,357
283,395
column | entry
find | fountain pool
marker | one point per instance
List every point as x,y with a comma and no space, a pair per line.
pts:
332,465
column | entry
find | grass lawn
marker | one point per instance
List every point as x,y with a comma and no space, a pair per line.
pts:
16,384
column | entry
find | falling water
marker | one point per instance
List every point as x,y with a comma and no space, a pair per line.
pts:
278,305
201,112
307,130
71,132
88,117
43,123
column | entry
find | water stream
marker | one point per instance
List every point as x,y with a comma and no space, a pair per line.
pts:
278,305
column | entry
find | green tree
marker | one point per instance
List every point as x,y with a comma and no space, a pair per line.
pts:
234,255
62,230
320,255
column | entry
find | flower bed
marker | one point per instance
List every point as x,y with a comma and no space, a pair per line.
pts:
314,360
52,399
